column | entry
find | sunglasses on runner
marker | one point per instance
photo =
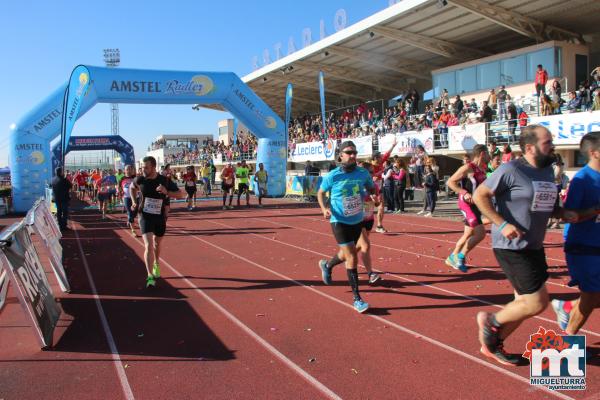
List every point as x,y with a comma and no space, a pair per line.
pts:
350,152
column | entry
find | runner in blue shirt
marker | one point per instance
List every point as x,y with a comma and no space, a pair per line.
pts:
347,186
582,244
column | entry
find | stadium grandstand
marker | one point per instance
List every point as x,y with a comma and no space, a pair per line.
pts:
460,69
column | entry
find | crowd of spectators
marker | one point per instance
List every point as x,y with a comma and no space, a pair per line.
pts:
244,149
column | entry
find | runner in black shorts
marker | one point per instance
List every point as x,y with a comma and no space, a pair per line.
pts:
347,185
154,189
227,184
189,181
525,199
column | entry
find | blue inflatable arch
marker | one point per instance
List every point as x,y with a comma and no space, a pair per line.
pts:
91,143
31,161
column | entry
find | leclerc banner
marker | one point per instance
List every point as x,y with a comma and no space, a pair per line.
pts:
569,128
407,142
364,145
314,151
465,137
29,277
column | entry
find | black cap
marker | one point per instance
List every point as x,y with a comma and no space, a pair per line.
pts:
347,143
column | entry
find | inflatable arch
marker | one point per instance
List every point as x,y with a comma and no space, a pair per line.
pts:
31,137
91,143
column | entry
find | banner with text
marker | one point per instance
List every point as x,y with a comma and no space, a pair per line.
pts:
46,227
465,137
29,277
569,128
314,151
302,185
364,145
407,142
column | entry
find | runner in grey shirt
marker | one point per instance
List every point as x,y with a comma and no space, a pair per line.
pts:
526,198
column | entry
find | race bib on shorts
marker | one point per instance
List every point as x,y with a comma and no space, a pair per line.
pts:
228,181
190,183
544,196
352,205
153,206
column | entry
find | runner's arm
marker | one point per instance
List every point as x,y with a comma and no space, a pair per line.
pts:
321,198
133,192
483,200
454,180
174,191
388,153
575,216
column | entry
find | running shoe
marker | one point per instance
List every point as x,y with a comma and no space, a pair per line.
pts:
224,207
380,229
421,212
460,261
429,214
190,208
325,272
133,233
361,306
373,277
156,270
455,263
150,281
500,355
562,317
230,207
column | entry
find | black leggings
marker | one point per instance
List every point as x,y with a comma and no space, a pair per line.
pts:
388,193
431,200
399,197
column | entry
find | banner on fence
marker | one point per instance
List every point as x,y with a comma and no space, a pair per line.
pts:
28,275
302,185
364,145
569,128
465,137
47,228
314,151
407,142
3,284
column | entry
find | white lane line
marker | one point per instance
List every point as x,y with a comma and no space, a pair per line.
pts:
107,332
292,365
426,255
400,276
378,318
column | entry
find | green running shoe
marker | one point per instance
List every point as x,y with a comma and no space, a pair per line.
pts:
156,270
150,281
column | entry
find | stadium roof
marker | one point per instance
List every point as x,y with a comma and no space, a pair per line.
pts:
397,48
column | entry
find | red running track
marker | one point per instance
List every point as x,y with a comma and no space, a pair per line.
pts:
242,313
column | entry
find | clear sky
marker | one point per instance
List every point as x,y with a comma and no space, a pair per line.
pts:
41,41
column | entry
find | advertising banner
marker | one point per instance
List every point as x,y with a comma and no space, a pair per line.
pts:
29,278
465,137
569,128
302,185
407,142
364,145
314,151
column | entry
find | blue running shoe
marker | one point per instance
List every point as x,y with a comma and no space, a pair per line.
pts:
562,317
325,272
361,306
460,262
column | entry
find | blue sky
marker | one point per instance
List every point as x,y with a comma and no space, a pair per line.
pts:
41,42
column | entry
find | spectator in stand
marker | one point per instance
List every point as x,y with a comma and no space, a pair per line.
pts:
414,103
486,112
458,105
574,103
585,96
388,185
492,99
444,99
541,78
453,120
502,97
472,107
420,156
523,118
507,154
512,121
545,105
596,102
555,95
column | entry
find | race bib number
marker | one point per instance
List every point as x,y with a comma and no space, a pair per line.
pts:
228,181
190,183
153,206
544,196
352,205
